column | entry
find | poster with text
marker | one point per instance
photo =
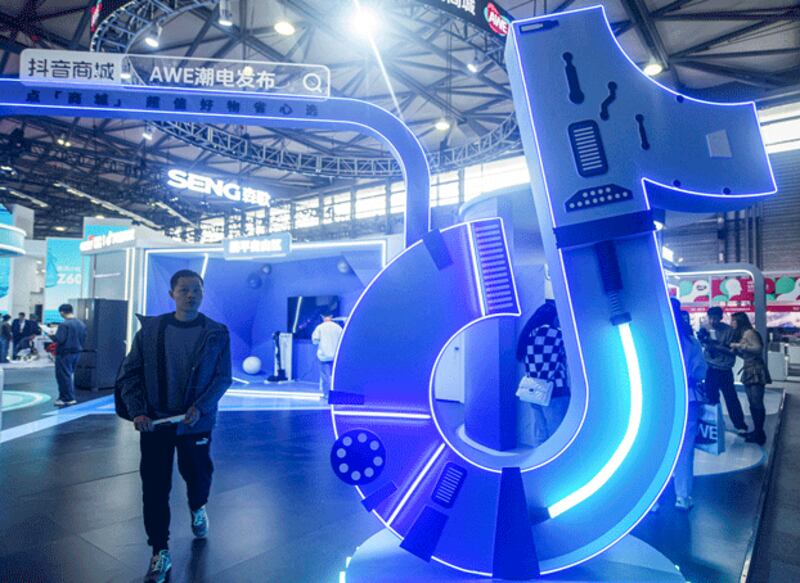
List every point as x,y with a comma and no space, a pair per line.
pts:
63,275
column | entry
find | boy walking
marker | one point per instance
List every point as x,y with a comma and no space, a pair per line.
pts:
179,365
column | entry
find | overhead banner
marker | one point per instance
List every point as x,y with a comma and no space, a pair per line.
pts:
482,13
84,68
63,275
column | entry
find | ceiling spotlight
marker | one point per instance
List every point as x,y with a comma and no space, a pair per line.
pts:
284,28
442,125
67,144
147,133
248,71
472,68
652,69
365,22
61,140
60,229
153,38
225,13
99,216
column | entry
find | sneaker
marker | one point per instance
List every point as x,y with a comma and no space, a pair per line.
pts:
59,403
200,523
759,438
160,566
684,503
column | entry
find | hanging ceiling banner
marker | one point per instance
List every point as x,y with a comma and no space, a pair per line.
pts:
151,71
482,13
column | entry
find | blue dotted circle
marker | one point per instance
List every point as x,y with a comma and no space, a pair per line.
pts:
358,457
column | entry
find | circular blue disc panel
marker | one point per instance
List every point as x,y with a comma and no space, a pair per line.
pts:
358,457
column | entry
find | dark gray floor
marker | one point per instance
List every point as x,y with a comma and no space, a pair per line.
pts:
70,508
71,505
777,555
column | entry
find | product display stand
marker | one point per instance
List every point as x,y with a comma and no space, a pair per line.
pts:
380,560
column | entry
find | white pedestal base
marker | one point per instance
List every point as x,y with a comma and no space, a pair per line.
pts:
380,560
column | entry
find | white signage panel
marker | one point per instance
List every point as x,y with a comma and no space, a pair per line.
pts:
80,67
124,238
277,245
229,189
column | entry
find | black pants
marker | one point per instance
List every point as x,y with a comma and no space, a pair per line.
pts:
755,397
65,375
194,464
721,380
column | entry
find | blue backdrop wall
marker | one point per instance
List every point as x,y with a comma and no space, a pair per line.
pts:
253,314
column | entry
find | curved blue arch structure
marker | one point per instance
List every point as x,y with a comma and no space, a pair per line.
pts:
603,143
150,103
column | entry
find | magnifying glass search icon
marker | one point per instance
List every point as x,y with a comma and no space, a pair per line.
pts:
312,82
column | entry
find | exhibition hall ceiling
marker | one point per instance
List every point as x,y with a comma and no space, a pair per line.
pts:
443,76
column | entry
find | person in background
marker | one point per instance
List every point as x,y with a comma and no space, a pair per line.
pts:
22,331
541,348
179,366
5,338
326,336
716,341
686,318
749,345
69,338
696,371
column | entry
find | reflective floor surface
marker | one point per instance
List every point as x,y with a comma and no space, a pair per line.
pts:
70,509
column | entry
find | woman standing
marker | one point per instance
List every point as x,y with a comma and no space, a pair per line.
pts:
748,344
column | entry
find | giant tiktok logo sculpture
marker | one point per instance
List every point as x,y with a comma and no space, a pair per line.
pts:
603,143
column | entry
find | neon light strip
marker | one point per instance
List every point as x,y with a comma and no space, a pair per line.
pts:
130,273
416,483
634,421
383,414
296,315
273,394
188,250
205,266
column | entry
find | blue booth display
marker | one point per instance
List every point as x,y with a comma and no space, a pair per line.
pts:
604,144
607,144
257,297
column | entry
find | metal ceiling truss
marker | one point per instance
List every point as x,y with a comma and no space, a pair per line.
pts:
124,27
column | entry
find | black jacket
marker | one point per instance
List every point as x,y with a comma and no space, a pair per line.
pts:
29,328
210,376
